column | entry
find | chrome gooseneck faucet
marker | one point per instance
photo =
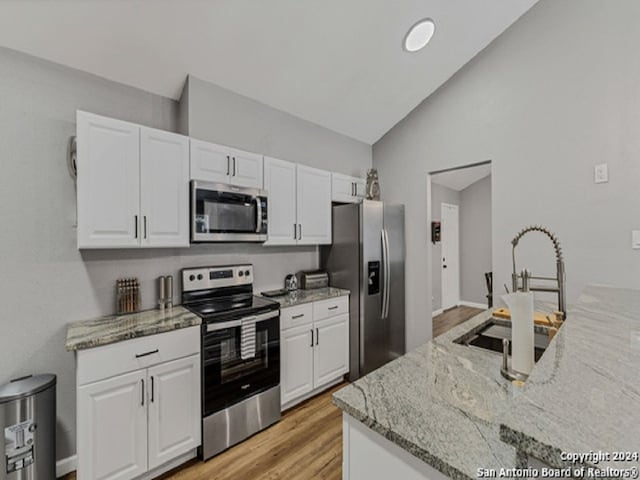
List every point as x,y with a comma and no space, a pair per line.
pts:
521,282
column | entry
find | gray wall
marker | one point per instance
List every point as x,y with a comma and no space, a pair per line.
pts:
475,240
546,101
218,115
439,195
46,282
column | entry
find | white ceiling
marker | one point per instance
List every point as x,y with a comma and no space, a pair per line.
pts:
460,179
337,63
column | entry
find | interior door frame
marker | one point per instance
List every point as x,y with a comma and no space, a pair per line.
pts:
456,292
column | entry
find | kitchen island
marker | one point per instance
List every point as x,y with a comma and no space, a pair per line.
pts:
444,410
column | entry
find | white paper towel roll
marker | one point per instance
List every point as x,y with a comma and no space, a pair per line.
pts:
521,307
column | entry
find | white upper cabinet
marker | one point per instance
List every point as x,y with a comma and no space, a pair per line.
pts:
299,203
221,164
280,184
132,185
347,189
108,185
313,206
246,169
164,193
210,162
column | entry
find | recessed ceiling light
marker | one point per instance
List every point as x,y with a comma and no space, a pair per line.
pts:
419,35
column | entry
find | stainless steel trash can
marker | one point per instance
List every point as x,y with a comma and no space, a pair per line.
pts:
28,421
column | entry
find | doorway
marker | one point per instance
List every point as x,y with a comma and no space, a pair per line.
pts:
461,242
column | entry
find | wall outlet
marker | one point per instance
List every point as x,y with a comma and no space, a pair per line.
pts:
601,173
635,239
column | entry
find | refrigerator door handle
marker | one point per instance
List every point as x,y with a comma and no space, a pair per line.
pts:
387,274
386,277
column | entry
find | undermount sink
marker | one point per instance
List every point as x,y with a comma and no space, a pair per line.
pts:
489,336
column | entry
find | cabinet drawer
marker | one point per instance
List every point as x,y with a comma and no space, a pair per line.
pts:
296,316
117,358
330,308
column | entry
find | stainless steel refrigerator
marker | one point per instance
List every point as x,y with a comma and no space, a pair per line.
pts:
367,257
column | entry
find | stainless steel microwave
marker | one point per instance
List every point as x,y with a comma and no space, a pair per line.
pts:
224,213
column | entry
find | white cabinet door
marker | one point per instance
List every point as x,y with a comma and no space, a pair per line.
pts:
347,189
280,184
108,185
112,428
360,188
210,162
296,362
174,409
342,188
246,169
314,206
164,188
331,351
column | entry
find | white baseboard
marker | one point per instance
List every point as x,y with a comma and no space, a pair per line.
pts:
483,306
66,466
437,312
70,464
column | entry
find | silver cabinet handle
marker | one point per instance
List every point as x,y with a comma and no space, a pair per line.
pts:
297,316
135,224
234,166
295,231
353,189
145,226
228,165
142,390
335,307
299,231
152,389
312,337
317,336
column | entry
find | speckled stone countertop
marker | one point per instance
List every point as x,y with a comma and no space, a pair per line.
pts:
299,297
442,402
116,328
584,393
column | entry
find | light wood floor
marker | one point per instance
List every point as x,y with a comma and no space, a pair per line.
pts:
305,445
449,319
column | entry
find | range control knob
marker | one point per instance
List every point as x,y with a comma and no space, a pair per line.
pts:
240,273
199,276
247,273
192,278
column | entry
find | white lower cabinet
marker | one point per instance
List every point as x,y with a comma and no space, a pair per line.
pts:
112,428
296,363
174,409
331,350
314,354
136,422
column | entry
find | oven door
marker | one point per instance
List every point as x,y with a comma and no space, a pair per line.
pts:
240,359
224,213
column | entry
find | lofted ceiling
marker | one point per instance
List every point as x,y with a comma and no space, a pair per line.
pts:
337,63
461,178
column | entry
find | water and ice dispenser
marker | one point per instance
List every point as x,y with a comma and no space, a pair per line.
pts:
28,421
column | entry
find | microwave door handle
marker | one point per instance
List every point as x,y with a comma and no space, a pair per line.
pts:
258,214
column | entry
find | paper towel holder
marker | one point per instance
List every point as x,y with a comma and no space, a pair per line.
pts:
506,371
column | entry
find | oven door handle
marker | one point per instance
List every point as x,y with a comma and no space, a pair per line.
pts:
237,323
258,214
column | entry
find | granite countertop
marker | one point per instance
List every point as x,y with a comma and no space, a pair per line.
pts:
448,405
442,402
116,328
299,297
583,394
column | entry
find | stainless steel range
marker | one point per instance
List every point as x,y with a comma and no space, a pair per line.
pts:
240,354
